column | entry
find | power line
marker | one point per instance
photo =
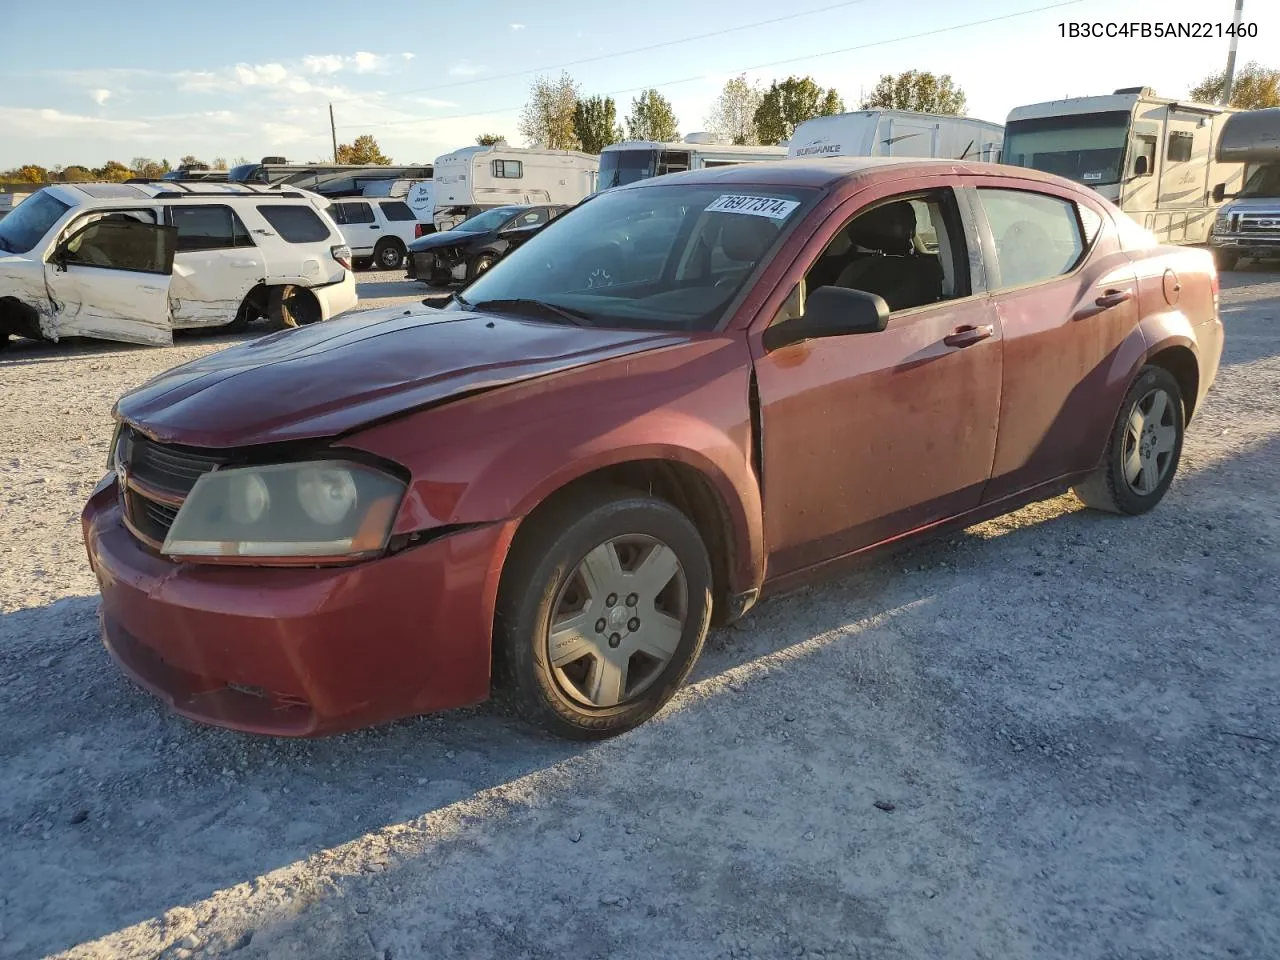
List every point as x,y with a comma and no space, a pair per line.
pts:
758,66
617,53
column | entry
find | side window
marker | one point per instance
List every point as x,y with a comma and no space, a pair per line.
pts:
207,227
1037,236
118,243
1179,148
295,222
910,251
1144,147
356,212
508,169
1090,221
395,210
531,218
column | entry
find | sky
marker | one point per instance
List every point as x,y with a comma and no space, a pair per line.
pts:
232,78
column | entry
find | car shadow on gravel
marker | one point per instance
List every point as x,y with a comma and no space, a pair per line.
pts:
115,811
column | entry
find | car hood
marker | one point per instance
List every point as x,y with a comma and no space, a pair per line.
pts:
332,377
1250,205
447,238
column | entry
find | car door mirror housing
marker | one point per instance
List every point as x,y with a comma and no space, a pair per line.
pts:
831,312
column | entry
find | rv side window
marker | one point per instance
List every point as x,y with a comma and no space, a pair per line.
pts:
1038,237
508,169
673,161
719,163
397,210
1179,149
1145,148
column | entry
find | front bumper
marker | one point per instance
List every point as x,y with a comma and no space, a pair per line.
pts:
1245,245
435,266
299,652
336,298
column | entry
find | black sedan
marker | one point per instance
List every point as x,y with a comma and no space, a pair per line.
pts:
473,246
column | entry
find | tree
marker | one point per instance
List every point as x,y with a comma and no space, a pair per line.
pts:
76,174
190,161
547,119
27,173
146,167
1252,88
595,123
112,170
734,114
652,118
219,163
791,102
917,90
489,139
363,150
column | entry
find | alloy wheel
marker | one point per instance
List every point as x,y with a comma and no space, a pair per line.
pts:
1149,440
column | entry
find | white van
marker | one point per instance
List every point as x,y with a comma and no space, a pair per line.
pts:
474,179
135,261
896,133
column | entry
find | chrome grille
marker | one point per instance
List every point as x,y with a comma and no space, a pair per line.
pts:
1260,222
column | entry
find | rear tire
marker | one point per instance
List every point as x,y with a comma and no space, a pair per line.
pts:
292,306
388,255
1144,447
633,569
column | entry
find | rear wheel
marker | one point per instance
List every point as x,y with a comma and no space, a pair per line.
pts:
293,306
1226,260
1145,447
604,608
388,254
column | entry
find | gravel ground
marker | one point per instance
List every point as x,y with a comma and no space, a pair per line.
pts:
1054,735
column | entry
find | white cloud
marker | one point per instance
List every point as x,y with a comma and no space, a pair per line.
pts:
465,69
365,62
99,95
326,63
516,26
407,56
46,124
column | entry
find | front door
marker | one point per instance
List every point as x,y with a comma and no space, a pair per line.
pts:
215,265
869,436
110,279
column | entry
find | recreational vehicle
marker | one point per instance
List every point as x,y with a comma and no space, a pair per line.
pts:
474,179
327,179
896,133
1249,224
1154,158
632,160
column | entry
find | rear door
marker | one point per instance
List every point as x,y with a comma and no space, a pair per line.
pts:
109,279
215,265
359,227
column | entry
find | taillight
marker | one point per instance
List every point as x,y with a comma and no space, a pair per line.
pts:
342,253
419,230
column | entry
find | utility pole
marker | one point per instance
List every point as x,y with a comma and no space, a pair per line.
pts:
1231,56
333,131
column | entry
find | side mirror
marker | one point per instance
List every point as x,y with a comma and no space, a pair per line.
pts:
831,312
1140,168
1219,193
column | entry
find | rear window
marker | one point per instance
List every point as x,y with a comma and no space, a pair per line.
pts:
295,222
395,210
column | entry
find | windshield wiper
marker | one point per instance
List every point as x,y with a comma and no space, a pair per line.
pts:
542,306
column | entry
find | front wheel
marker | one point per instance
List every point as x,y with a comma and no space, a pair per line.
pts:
1144,449
481,265
604,608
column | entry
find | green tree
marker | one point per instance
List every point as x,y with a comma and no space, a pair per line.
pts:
190,160
112,170
1252,88
595,122
219,163
734,114
547,119
76,174
792,102
27,173
917,90
363,150
146,167
489,139
652,118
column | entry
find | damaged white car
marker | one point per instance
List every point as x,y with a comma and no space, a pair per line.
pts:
134,262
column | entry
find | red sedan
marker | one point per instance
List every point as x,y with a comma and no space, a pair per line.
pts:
677,397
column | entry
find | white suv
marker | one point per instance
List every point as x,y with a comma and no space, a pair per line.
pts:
135,261
378,230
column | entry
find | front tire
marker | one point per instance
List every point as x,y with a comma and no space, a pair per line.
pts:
481,265
1144,448
603,610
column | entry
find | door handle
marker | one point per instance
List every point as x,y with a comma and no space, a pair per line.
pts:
375,227
146,289
1111,298
968,335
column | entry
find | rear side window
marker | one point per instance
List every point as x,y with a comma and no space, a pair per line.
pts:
352,212
1037,236
396,210
295,222
212,227
1179,149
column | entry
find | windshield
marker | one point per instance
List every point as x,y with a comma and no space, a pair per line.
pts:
484,222
620,167
655,257
245,172
1265,182
30,220
1086,147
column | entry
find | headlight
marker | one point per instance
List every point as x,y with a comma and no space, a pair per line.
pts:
288,511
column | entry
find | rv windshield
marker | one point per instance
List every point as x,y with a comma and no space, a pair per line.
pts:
657,256
620,167
246,173
1085,147
1265,182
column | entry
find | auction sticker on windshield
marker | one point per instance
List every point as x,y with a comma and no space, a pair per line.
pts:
770,207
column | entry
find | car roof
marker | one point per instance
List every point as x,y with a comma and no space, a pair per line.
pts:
107,193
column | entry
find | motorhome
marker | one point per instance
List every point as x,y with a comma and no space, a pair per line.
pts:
1153,157
1248,225
632,160
896,133
327,179
473,179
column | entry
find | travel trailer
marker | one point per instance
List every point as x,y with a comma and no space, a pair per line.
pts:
896,133
632,160
1154,158
474,179
1248,225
